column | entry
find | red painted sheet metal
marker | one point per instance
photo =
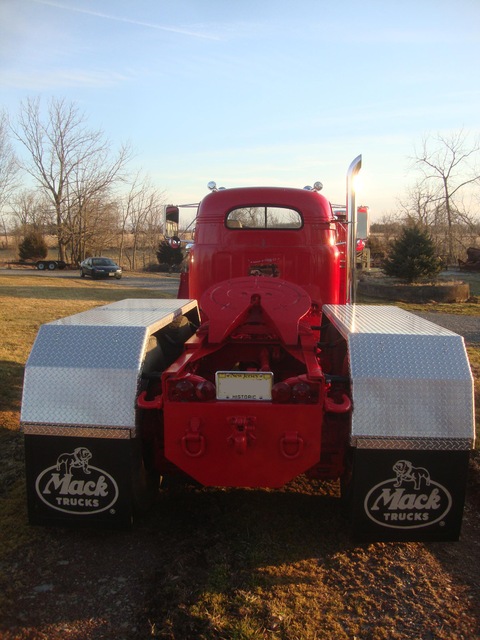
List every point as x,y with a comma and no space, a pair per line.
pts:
243,444
227,303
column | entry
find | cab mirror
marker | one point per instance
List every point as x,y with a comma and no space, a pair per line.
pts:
175,242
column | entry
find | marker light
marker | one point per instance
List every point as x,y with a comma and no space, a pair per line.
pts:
182,391
294,390
302,392
191,389
317,186
281,392
205,390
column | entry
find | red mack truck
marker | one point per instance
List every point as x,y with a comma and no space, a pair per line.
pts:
263,369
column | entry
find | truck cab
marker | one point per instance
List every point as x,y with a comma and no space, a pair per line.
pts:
289,234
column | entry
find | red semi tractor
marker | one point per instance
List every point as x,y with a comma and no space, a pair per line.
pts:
263,369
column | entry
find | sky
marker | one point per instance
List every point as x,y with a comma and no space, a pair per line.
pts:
254,92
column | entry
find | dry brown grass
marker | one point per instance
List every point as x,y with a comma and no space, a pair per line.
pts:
209,564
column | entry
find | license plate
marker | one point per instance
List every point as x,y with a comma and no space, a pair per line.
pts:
244,385
110,273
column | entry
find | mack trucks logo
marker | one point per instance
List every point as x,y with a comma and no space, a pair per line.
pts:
409,500
73,485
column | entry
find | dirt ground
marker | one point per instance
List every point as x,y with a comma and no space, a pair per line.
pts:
287,551
234,565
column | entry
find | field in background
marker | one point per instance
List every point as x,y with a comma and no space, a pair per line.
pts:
144,257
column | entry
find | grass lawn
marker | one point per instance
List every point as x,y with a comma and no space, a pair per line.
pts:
212,564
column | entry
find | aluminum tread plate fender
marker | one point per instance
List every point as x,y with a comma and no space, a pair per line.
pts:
84,369
411,379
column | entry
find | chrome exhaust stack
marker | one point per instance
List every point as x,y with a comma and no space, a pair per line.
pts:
353,170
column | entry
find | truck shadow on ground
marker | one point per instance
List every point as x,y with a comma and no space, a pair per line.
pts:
192,542
200,554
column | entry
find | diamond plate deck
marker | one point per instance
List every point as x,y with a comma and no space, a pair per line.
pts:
84,370
411,379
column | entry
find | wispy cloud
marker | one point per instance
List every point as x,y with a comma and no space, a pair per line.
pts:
60,78
141,23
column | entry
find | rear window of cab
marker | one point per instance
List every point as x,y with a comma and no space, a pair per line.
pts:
264,217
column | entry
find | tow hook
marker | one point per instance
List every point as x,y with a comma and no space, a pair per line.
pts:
143,403
291,445
193,442
338,407
242,436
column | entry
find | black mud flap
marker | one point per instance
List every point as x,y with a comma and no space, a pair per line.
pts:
407,495
76,481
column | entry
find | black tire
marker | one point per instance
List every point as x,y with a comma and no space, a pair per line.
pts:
145,480
347,481
145,490
52,266
41,266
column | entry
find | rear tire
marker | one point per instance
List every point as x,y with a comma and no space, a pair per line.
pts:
41,266
347,482
52,266
145,490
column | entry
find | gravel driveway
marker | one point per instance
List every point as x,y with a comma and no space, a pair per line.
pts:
466,326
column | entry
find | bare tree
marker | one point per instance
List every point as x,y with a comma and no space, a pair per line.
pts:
91,226
420,205
8,167
31,211
448,165
71,163
391,227
140,217
154,228
4,232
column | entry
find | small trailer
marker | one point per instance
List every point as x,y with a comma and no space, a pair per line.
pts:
50,265
262,370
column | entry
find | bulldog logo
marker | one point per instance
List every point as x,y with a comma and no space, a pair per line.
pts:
77,460
409,500
72,485
406,472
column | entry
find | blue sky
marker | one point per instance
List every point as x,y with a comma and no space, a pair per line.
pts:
265,92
